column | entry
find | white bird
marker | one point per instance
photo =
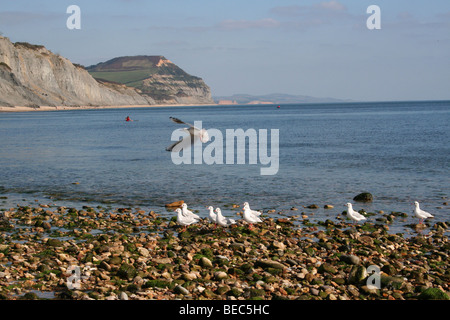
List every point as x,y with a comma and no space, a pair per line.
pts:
222,221
250,217
420,213
195,134
256,213
185,220
354,215
188,213
212,216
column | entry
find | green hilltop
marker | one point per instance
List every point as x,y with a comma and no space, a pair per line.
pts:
154,76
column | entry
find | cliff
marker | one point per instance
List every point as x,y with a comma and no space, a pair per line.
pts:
31,75
155,77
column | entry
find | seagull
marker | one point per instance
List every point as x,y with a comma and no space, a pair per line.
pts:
212,216
194,135
256,213
222,221
188,213
185,220
250,217
420,213
354,215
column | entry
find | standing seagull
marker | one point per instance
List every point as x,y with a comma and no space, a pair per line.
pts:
194,135
250,217
185,220
212,216
188,213
222,221
420,213
256,213
354,215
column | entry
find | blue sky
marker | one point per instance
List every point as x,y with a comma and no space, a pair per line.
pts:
317,48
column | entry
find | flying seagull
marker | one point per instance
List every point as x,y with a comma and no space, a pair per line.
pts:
194,135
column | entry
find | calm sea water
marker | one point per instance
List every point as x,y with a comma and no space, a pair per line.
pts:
398,151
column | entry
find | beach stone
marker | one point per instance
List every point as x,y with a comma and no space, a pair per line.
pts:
326,267
126,271
350,259
389,269
364,197
181,290
189,276
313,206
54,243
328,206
123,296
369,290
143,252
220,275
314,291
116,260
175,204
269,264
433,294
205,262
357,274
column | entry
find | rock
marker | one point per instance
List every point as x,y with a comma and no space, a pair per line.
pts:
181,290
175,204
350,259
54,243
143,252
46,225
269,264
116,260
279,245
123,296
357,274
433,294
363,197
126,271
205,262
328,206
326,267
367,240
189,276
220,275
313,206
389,269
369,290
314,291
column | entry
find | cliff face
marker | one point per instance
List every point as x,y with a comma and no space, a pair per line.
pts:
31,75
155,77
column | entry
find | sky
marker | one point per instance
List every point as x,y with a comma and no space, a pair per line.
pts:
305,47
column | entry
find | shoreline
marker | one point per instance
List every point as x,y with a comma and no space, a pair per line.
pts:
135,254
65,108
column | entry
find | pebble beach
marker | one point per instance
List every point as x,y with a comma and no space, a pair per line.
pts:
135,254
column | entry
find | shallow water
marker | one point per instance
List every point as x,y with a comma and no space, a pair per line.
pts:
398,151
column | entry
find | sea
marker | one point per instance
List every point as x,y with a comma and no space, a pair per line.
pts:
327,154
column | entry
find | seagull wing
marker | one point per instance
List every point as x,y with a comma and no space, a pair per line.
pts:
176,120
183,143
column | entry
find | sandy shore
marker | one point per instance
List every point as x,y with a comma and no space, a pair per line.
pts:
61,108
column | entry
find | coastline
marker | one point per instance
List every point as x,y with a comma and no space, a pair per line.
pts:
135,254
65,108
